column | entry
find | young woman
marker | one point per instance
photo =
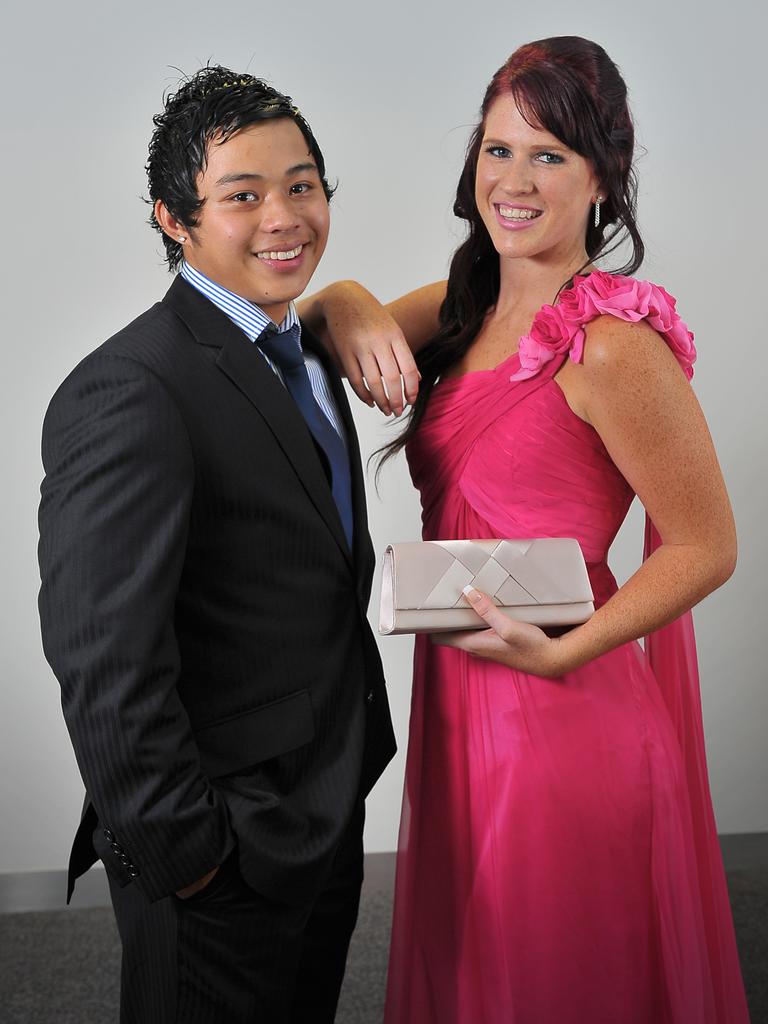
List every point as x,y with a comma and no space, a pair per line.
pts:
559,861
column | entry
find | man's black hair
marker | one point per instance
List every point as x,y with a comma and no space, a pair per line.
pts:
213,104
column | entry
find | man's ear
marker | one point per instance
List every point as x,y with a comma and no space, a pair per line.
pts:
171,227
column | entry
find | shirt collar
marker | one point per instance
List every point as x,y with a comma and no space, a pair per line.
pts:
250,318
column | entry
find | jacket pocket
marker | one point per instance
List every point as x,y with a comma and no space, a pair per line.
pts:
256,735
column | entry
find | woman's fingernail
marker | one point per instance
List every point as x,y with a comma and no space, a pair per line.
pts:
470,593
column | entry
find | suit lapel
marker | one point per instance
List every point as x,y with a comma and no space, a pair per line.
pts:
242,363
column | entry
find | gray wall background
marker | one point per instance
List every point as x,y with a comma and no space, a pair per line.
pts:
391,92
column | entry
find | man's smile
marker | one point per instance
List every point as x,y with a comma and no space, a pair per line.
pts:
280,254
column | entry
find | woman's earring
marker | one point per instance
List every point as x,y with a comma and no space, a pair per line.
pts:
598,200
182,239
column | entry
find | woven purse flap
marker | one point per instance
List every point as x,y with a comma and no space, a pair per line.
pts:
544,571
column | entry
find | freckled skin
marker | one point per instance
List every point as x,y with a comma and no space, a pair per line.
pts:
633,392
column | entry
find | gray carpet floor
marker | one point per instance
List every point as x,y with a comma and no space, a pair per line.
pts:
62,966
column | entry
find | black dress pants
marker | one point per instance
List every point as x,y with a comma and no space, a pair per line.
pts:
229,955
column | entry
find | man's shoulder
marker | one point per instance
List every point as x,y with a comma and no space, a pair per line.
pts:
147,338
152,341
149,347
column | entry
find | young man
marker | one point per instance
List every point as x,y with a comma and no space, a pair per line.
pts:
206,570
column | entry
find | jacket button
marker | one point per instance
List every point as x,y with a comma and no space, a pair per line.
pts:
117,848
109,835
133,871
370,696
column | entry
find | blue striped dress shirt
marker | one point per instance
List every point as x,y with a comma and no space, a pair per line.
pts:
253,321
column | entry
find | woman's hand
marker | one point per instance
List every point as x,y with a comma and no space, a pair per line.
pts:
373,344
368,345
372,349
515,644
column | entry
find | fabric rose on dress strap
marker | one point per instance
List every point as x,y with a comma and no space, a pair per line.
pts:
559,328
550,335
601,293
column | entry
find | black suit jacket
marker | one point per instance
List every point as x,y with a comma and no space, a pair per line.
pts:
202,612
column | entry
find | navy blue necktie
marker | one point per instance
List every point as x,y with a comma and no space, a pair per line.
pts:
284,349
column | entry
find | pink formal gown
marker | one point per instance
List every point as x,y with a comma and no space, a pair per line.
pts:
558,858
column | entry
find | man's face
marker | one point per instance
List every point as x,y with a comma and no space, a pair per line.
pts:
264,224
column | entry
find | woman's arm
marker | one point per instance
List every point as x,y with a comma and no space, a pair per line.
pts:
374,344
631,389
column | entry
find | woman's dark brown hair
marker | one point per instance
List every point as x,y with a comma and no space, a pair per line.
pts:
570,87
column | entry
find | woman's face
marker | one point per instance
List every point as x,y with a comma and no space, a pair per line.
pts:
533,193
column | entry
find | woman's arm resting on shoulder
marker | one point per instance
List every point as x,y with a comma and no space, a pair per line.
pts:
633,392
374,344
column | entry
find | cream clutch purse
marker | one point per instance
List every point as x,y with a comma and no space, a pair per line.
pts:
541,581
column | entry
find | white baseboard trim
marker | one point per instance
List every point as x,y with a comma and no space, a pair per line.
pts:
29,891
25,891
